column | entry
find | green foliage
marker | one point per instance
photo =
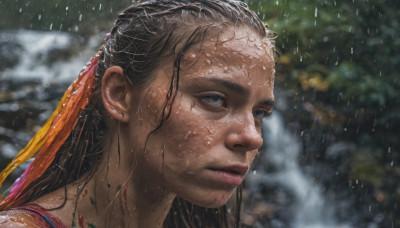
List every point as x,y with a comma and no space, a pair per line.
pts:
340,58
82,16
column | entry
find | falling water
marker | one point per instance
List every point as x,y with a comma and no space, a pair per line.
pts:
40,55
310,209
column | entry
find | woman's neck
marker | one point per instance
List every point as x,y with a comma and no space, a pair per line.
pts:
115,196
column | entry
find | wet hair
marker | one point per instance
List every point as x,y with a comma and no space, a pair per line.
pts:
145,36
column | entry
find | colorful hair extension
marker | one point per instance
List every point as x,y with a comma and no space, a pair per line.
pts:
49,139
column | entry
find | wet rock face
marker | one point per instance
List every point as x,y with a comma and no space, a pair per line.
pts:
24,107
9,54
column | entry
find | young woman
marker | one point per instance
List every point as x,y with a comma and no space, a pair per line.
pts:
159,129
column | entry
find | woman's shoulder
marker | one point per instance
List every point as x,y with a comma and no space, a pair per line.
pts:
29,215
17,218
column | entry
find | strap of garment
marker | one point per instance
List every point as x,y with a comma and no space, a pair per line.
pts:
38,211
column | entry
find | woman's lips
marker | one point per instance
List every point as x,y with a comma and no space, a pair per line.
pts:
230,175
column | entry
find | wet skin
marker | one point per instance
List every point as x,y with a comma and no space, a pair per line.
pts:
201,153
205,148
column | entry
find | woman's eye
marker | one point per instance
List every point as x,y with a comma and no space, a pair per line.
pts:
214,100
261,114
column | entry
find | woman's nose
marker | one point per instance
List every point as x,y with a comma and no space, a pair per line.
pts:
244,135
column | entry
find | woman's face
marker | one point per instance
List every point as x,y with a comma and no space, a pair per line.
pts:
205,148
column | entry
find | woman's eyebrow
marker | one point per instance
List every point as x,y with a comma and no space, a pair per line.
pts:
233,86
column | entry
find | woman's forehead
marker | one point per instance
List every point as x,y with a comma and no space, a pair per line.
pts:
240,42
235,55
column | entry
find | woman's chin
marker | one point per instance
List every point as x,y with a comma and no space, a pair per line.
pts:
213,200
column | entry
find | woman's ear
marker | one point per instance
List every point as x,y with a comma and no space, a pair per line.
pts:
114,91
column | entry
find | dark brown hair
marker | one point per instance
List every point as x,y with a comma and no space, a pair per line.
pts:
144,35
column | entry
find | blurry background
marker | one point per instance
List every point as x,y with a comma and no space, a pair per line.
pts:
331,153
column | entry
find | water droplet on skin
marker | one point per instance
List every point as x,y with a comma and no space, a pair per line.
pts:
264,68
208,142
208,54
210,71
187,135
252,39
225,69
258,46
193,55
208,61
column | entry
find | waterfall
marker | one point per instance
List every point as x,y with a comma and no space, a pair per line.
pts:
309,208
48,57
